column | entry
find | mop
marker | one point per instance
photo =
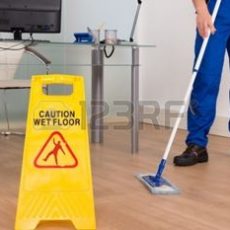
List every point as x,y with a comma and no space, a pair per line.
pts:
154,181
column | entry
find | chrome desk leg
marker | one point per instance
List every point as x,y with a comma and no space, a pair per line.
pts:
97,96
135,100
8,131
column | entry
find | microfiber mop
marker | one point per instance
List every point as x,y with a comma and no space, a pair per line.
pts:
155,182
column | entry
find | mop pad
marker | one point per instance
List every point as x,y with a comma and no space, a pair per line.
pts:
164,187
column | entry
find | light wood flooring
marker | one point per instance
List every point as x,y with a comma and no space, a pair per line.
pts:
121,201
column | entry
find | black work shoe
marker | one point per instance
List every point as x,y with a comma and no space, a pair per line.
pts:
192,155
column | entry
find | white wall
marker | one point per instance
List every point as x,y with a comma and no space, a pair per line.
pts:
166,70
108,14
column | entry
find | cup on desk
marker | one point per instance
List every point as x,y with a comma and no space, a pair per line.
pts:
96,36
111,37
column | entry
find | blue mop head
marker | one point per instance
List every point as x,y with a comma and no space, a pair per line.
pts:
158,185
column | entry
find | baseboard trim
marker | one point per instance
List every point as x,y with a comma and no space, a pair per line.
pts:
167,118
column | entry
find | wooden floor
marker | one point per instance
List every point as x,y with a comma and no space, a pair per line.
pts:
121,201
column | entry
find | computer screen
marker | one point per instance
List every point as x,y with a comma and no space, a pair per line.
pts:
30,16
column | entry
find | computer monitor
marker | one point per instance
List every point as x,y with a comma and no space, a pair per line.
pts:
30,16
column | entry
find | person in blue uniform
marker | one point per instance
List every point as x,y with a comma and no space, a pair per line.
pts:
202,108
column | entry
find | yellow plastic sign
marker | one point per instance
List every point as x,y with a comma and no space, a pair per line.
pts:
56,181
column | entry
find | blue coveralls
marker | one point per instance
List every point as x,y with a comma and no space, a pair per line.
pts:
202,109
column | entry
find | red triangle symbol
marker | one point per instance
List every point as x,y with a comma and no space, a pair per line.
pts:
56,153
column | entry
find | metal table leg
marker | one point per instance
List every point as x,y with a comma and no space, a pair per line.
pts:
135,100
97,96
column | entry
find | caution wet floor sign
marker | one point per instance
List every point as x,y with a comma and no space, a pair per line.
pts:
56,182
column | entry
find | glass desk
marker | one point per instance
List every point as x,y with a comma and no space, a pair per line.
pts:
58,56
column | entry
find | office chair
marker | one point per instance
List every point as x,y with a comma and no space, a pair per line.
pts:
9,82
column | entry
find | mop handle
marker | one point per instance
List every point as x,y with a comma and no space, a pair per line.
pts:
189,90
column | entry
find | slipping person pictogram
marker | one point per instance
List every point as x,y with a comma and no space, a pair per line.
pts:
55,151
49,155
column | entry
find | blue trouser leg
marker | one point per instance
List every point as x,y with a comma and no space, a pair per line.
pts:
202,109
